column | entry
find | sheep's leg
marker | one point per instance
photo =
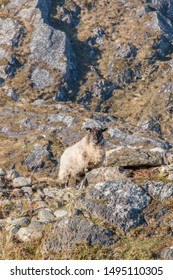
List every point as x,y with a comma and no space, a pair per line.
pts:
83,184
72,182
64,182
64,185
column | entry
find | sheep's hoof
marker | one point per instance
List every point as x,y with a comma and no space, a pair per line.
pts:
83,184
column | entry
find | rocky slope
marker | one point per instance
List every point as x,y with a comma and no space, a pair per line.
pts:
65,64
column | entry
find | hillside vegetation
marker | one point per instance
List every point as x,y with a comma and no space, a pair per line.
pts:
65,64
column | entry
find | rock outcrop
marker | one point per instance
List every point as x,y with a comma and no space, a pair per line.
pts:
65,66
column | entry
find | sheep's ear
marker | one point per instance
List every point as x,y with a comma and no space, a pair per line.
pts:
104,129
88,129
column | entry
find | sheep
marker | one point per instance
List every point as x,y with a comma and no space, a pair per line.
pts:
83,156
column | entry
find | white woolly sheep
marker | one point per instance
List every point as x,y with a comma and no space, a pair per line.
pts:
85,155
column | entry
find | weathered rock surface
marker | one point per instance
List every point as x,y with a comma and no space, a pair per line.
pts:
107,174
2,172
167,253
60,213
74,230
23,221
45,215
33,232
37,158
127,139
54,49
133,157
41,78
47,45
159,190
121,203
9,27
20,182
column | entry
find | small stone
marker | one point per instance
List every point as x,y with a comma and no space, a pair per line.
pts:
18,192
167,253
27,191
2,223
23,221
2,172
22,182
41,78
39,196
170,177
164,171
5,203
154,188
13,94
45,215
60,213
13,228
12,174
33,232
42,204
51,192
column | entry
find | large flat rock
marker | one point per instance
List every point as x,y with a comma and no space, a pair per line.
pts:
133,157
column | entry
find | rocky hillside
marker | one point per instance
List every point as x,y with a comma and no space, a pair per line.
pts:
65,64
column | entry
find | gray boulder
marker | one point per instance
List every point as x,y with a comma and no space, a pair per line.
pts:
53,48
50,48
8,28
119,203
61,117
38,157
159,190
77,229
107,174
125,51
152,123
133,157
126,138
163,22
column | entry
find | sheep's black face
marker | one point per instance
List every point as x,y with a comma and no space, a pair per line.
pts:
96,135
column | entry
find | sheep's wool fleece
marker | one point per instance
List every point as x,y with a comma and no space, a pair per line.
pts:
79,157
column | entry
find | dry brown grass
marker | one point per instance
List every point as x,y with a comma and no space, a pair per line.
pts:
4,2
146,174
11,249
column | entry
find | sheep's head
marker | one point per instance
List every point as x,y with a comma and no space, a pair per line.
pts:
95,135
